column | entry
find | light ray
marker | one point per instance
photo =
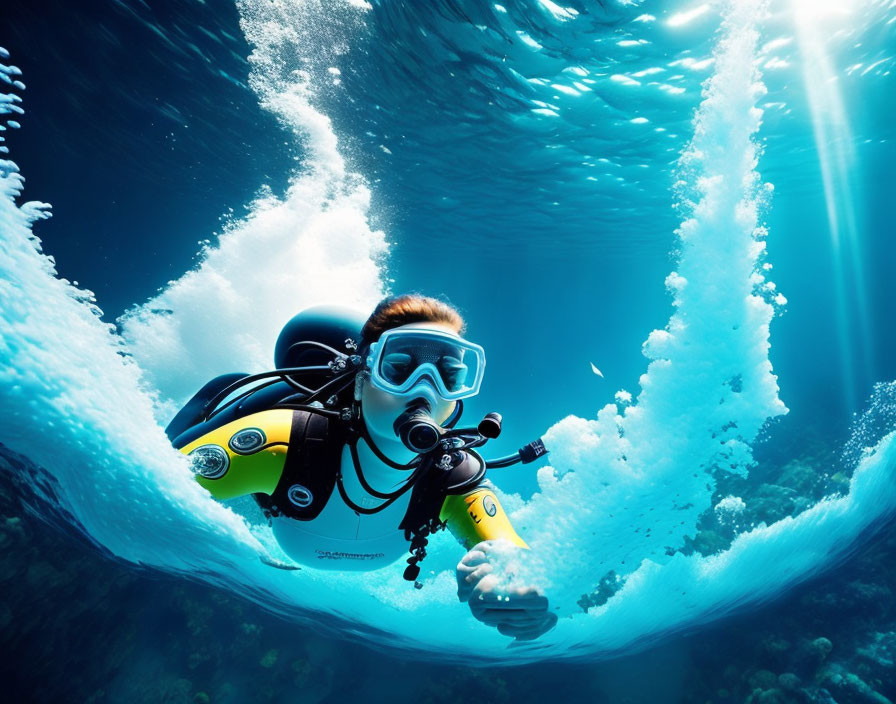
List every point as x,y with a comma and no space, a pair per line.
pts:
837,162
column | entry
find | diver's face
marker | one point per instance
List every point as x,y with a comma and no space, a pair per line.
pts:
381,408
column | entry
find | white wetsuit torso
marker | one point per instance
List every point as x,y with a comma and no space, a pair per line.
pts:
342,539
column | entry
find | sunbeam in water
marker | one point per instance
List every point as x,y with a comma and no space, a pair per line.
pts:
623,491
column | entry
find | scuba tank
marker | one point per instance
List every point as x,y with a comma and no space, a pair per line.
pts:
304,364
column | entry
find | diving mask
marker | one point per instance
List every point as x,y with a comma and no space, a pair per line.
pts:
402,357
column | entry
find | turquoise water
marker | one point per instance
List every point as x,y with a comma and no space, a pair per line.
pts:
690,198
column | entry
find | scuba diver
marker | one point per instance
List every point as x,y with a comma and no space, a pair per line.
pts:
350,448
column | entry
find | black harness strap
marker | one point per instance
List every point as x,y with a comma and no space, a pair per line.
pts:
311,467
376,509
356,461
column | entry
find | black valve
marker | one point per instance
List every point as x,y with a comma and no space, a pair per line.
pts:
490,426
420,435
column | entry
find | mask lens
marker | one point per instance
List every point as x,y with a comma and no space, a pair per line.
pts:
396,367
453,372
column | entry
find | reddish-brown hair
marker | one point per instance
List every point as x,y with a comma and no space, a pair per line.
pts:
405,309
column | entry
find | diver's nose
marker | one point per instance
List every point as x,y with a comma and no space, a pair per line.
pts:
424,392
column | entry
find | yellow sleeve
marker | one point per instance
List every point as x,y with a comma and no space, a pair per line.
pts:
254,471
478,516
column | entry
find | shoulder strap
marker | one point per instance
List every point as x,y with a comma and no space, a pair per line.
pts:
309,474
190,415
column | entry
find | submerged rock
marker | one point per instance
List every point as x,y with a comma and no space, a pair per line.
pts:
789,682
270,658
820,648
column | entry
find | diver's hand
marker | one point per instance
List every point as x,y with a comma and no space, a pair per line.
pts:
520,612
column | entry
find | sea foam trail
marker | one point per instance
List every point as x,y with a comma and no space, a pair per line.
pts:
623,488
640,479
71,403
312,246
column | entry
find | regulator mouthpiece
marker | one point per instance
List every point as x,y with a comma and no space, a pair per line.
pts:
416,428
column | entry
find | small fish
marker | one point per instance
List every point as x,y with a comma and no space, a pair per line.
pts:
597,371
278,563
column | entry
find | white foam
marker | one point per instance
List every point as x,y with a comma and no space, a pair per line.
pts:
624,488
312,246
730,506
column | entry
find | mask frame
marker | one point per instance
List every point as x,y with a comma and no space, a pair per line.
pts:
427,369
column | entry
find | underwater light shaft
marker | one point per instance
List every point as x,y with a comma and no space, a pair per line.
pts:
837,161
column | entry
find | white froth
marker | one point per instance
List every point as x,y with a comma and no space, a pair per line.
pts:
730,506
312,246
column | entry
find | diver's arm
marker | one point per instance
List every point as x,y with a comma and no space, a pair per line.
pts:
477,516
253,465
477,520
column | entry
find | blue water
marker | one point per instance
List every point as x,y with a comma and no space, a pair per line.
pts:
546,167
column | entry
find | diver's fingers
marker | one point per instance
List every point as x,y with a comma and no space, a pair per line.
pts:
529,632
466,568
476,576
473,557
473,566
484,547
469,584
469,577
517,617
485,583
